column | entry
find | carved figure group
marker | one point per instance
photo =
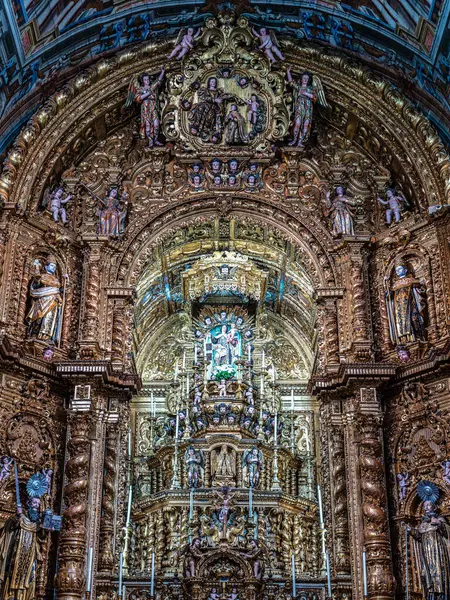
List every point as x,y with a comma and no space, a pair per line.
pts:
207,115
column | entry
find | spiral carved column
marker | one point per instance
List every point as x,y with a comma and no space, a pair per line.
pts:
367,496
89,334
359,298
118,332
106,554
70,580
339,499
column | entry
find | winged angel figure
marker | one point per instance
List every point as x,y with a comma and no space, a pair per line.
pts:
184,43
269,44
307,90
145,92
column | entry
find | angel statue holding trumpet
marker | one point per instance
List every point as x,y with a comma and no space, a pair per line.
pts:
307,91
145,92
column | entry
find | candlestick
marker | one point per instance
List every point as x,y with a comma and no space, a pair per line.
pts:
249,347
255,520
187,384
263,359
327,562
292,399
152,404
123,592
195,354
129,443
176,371
319,498
184,360
364,561
152,580
294,583
177,425
120,570
89,575
250,502
191,504
262,386
130,494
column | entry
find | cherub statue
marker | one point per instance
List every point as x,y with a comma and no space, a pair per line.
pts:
402,479
307,91
55,201
184,42
5,467
269,44
446,471
234,594
395,203
145,93
213,595
48,478
222,387
249,395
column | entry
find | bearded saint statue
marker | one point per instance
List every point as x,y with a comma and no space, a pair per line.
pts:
19,553
431,544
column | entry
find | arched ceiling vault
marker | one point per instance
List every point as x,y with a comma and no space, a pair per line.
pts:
88,109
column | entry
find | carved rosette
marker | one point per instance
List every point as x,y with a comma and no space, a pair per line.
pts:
106,553
70,579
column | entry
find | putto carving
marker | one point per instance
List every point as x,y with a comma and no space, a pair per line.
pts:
395,204
55,202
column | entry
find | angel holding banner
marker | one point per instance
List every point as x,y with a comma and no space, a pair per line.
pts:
145,93
307,91
252,464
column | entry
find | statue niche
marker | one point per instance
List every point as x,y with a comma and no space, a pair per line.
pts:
223,466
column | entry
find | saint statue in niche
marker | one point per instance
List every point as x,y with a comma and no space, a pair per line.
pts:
111,215
340,213
207,115
406,307
431,546
44,318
